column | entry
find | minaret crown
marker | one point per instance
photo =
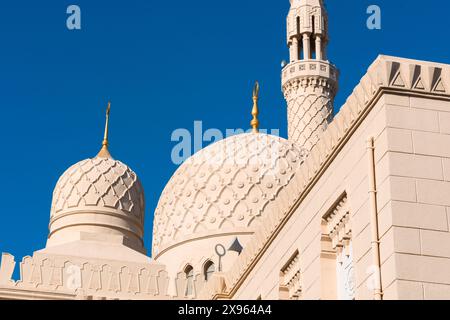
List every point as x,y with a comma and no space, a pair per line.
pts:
307,30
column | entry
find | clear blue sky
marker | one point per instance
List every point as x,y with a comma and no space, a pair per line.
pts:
163,64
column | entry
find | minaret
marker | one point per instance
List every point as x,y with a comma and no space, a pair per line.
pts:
309,81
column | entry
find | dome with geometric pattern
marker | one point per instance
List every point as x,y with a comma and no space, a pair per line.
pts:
101,199
99,195
100,183
225,188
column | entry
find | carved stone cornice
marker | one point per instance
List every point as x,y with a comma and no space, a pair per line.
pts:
291,277
338,226
64,277
303,73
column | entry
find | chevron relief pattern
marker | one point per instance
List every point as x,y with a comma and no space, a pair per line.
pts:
99,182
308,116
418,77
310,107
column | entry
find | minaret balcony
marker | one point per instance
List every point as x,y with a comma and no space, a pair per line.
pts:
309,68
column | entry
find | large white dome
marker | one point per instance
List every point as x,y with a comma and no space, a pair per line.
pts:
99,196
224,189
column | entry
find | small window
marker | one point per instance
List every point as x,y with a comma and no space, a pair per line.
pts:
189,273
209,269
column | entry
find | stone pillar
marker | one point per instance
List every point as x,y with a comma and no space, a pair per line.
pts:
318,48
295,50
306,47
291,51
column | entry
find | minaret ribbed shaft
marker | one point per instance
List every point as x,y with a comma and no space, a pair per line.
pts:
309,81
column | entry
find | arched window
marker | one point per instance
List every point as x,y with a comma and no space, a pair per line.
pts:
209,269
313,38
299,48
189,273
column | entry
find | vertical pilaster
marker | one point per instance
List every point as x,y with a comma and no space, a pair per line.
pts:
295,52
318,48
306,47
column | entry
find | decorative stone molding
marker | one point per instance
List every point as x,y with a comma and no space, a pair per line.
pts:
181,285
291,277
216,286
81,278
7,269
55,277
385,75
310,69
338,226
305,11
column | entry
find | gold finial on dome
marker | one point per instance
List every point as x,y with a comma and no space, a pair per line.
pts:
255,111
104,152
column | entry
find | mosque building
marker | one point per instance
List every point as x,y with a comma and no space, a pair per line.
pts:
354,205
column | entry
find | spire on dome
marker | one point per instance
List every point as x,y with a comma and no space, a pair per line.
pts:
255,111
104,152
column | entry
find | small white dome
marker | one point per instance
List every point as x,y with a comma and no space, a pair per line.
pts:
99,196
225,188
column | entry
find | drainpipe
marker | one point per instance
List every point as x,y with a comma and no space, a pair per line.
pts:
378,291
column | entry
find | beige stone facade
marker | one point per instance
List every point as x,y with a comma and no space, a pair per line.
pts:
364,214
